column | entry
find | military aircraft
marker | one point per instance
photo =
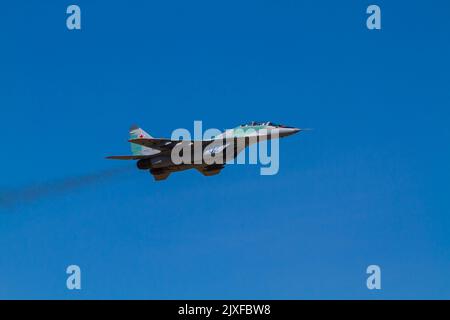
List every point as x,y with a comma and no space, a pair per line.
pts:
156,154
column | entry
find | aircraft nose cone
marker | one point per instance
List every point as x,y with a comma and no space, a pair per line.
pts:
284,132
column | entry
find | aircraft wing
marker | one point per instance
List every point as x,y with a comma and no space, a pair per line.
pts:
162,144
155,143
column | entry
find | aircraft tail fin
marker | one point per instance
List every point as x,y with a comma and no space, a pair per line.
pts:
138,150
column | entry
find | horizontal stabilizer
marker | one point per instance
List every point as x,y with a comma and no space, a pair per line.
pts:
127,157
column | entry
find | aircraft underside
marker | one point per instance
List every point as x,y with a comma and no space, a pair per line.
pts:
207,170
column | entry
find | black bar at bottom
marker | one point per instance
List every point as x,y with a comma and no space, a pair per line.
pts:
226,309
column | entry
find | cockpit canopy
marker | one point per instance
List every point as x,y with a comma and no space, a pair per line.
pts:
269,123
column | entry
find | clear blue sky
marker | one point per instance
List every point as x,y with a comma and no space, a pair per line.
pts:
370,185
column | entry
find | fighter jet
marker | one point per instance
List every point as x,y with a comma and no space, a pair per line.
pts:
157,154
